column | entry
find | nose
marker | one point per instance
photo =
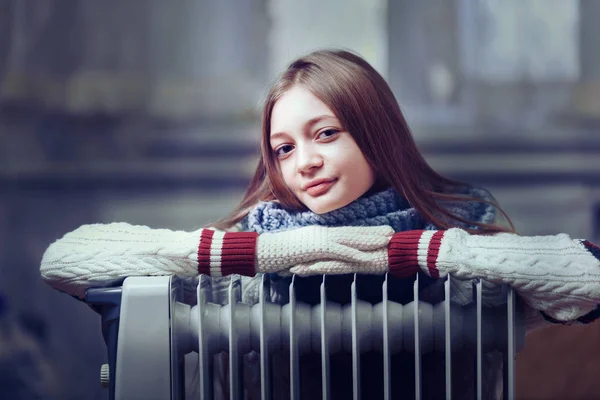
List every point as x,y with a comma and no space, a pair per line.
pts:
308,158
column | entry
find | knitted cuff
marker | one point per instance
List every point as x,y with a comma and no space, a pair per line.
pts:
413,251
225,253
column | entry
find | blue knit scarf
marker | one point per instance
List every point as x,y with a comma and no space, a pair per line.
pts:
386,207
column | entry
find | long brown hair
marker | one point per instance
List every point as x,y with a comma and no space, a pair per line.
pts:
366,107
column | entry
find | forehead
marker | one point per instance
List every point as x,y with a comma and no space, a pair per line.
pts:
295,108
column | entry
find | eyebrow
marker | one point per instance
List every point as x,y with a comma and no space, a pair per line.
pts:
309,123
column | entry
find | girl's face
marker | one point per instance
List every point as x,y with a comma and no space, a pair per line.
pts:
320,162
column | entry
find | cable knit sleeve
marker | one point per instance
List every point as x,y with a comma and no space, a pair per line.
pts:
94,255
556,274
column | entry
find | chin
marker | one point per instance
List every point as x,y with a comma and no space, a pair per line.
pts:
319,208
325,208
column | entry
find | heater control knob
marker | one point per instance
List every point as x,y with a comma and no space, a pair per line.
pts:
104,375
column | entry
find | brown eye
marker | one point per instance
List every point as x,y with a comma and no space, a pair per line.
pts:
328,133
283,150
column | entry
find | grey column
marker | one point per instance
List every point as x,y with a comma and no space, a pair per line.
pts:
586,94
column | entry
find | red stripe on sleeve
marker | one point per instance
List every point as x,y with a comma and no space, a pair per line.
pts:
238,253
403,253
204,251
432,253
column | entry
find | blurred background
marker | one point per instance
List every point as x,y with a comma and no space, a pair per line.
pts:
147,111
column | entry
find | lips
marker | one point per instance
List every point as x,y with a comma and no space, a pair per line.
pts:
320,188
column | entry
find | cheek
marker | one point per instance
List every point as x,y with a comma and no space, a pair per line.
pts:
360,170
363,171
355,162
287,174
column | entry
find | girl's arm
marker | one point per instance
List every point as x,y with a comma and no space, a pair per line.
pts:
557,275
95,255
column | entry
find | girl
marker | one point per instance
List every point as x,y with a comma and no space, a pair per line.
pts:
341,187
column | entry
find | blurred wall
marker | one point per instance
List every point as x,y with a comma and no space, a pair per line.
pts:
147,112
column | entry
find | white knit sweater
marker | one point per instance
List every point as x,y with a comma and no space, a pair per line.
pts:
93,255
554,274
